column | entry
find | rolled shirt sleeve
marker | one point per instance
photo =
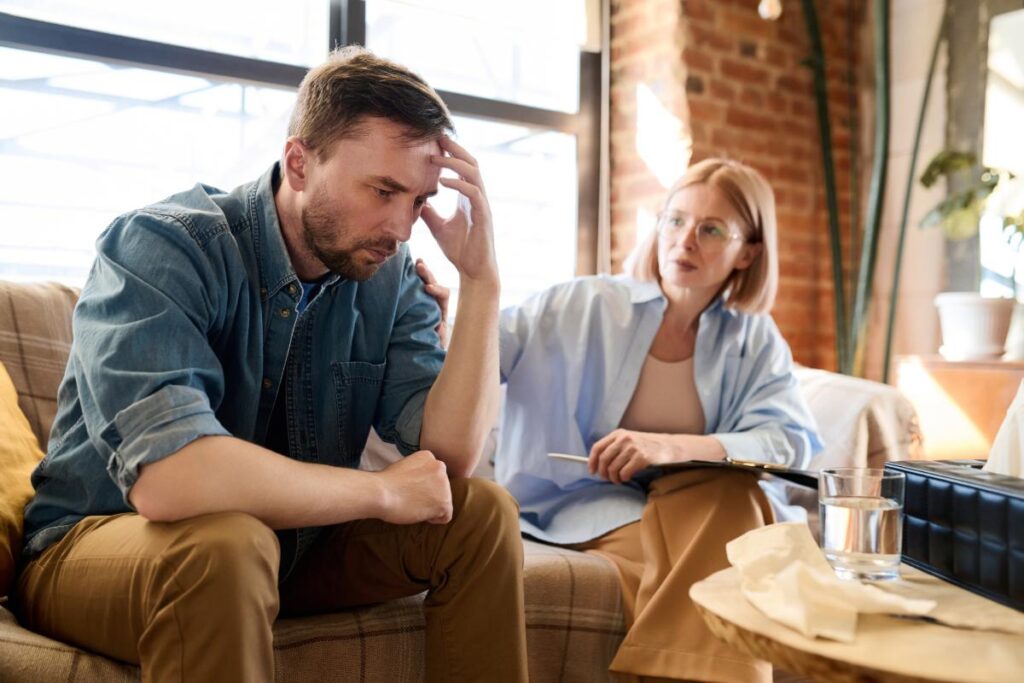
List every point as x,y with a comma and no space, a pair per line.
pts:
142,361
157,426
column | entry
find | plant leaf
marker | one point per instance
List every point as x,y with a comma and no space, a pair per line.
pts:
961,201
931,219
961,223
1014,224
946,162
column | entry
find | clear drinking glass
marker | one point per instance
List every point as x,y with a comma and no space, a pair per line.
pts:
862,521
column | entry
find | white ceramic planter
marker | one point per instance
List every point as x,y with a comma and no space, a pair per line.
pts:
973,327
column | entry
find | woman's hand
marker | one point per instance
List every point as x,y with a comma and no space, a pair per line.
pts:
441,295
623,453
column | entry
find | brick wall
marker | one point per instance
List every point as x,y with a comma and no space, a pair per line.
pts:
735,83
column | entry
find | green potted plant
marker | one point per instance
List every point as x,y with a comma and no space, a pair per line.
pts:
973,326
960,213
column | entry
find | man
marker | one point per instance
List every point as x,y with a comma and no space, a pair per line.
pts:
231,354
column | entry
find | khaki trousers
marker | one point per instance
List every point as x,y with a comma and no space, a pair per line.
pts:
195,600
688,519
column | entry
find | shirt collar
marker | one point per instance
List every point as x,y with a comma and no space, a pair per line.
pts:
276,268
718,307
641,292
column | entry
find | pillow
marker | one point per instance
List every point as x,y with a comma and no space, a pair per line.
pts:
19,454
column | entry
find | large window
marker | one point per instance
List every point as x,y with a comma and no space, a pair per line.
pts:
84,140
1001,253
293,32
109,106
493,50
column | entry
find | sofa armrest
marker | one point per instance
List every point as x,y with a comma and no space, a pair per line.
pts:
35,339
862,423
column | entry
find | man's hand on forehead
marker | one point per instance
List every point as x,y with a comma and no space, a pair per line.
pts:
467,236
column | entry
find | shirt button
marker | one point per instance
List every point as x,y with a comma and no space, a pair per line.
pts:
285,312
267,383
263,292
292,289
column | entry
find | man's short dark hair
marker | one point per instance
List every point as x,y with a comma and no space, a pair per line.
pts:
354,84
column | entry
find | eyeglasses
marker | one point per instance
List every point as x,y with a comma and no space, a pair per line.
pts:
712,235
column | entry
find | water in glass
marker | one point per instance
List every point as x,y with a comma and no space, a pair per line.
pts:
861,536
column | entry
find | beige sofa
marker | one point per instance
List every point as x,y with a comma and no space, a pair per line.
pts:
574,618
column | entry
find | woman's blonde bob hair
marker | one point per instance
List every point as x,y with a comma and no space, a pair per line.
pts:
753,289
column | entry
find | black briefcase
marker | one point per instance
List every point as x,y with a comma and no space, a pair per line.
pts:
965,526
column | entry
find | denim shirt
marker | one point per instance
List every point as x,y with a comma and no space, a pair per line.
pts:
572,356
188,326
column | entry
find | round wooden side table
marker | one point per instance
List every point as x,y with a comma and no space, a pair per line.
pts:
887,649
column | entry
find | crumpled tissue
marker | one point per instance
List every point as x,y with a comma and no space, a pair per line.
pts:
785,575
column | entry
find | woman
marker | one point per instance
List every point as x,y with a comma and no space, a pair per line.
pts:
677,361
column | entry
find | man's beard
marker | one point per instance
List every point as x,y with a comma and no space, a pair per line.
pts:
323,227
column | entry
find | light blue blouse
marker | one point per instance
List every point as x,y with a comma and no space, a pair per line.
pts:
571,357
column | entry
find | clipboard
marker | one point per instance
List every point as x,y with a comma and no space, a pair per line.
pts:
800,477
804,478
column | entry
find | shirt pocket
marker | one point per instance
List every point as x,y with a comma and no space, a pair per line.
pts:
357,387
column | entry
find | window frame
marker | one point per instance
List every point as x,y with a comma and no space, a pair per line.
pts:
347,25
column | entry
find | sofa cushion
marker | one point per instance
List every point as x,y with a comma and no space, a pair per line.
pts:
26,656
574,625
19,454
862,423
382,643
35,338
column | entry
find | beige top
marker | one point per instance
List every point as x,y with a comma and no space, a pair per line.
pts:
665,400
